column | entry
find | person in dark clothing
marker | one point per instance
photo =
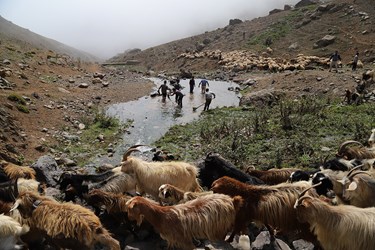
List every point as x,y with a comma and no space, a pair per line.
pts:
335,58
192,84
355,61
209,96
179,96
164,90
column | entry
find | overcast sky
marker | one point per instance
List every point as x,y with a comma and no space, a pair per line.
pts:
107,27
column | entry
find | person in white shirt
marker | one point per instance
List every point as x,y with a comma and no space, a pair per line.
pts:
209,96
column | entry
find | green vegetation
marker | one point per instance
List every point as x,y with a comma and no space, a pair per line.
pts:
89,145
279,29
291,133
23,108
17,98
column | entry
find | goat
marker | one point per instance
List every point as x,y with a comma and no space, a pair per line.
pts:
359,188
271,176
14,171
151,175
10,232
117,184
342,227
114,203
300,175
358,153
215,166
64,220
266,205
207,217
171,195
72,184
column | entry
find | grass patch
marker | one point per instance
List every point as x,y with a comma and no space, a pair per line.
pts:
48,78
89,145
17,98
23,108
291,133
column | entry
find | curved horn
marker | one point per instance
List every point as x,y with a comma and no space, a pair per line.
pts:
358,172
342,146
128,152
307,189
15,206
353,169
325,160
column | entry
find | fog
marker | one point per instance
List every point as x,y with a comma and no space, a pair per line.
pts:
106,28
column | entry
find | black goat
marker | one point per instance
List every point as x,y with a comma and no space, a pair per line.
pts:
215,166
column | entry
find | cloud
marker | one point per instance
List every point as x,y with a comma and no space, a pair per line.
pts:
106,28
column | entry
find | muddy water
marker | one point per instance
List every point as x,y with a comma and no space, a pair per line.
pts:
152,117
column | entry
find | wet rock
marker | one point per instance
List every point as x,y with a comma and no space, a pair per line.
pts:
47,170
302,245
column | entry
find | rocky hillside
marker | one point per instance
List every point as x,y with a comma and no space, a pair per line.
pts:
312,29
10,31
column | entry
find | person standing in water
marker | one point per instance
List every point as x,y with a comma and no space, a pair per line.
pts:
164,90
204,84
192,84
209,96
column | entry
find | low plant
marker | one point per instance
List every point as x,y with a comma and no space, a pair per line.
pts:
17,98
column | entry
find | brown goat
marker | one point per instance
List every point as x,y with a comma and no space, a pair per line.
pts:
114,203
64,220
207,217
171,195
272,176
358,153
14,171
266,205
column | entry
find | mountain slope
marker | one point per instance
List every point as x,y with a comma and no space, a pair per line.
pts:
11,31
290,33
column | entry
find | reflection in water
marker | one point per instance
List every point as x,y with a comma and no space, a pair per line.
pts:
152,117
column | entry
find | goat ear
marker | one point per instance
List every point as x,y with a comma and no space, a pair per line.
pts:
353,186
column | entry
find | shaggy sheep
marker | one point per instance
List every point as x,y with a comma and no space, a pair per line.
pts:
266,205
10,232
337,227
207,217
171,195
151,175
65,221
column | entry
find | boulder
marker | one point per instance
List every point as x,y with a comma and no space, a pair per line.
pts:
325,41
265,97
47,170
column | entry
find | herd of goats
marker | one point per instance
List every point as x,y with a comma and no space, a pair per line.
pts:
331,207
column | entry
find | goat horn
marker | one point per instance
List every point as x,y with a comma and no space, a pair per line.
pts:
342,146
307,189
359,172
128,152
15,206
353,169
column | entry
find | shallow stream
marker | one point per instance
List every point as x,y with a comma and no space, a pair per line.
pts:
152,117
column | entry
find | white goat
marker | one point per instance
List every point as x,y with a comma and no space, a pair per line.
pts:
10,232
341,227
151,175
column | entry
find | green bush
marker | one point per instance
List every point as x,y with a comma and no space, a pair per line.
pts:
23,108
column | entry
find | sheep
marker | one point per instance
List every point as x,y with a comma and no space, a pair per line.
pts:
207,217
64,221
342,227
10,232
368,75
151,175
171,195
272,176
14,171
266,205
215,166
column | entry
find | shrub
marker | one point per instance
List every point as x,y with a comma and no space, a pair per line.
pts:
17,98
